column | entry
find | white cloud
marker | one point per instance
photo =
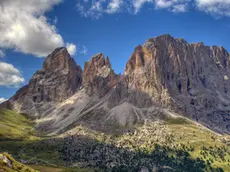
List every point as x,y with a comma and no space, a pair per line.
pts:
9,75
2,54
96,8
71,48
172,5
114,6
214,7
137,4
179,8
2,100
24,27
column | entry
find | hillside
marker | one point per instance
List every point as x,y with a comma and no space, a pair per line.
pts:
176,144
15,126
19,137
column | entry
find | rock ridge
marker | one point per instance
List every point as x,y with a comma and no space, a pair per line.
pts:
190,79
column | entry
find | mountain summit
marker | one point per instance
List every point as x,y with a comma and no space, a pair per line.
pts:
59,78
192,79
165,76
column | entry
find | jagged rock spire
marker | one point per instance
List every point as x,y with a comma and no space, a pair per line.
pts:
98,76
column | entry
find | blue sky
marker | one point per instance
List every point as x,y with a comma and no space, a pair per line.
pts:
31,29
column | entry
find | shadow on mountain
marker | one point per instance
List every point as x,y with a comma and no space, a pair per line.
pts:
88,152
119,111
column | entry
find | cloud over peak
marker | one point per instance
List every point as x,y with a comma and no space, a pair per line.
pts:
25,28
72,49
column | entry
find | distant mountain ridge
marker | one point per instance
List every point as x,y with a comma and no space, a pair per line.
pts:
165,76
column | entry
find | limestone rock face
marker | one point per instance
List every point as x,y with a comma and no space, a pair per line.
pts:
59,79
98,76
190,78
164,77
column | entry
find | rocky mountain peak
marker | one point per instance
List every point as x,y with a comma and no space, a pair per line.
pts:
97,66
59,59
98,76
107,62
97,63
59,79
191,78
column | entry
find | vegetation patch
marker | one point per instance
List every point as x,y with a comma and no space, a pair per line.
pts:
9,164
178,120
15,126
176,145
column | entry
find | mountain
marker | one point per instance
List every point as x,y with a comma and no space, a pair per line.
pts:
59,78
192,79
165,75
168,112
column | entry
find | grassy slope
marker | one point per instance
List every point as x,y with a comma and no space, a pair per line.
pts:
174,134
58,169
16,166
208,146
15,126
16,135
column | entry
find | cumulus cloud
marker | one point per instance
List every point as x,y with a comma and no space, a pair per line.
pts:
214,7
2,54
9,75
24,27
2,100
72,49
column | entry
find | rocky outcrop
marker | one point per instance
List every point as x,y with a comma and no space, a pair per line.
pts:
190,78
6,161
98,76
59,79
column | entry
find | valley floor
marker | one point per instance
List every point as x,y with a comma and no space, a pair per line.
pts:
175,144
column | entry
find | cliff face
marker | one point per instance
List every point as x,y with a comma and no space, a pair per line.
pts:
164,74
190,78
98,76
59,79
